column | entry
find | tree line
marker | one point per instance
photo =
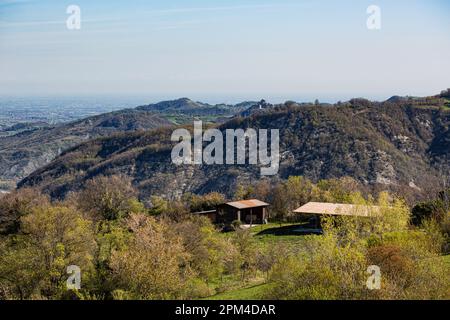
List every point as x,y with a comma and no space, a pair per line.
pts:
128,250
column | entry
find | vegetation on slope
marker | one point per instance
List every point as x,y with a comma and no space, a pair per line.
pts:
397,146
129,251
23,153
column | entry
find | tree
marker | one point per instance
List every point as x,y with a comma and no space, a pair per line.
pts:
109,198
205,202
445,93
34,262
291,194
159,206
243,192
425,210
154,265
340,190
263,190
17,204
246,247
383,216
209,252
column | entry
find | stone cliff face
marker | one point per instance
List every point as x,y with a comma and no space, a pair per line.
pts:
396,146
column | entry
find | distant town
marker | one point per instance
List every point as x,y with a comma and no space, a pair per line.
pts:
21,114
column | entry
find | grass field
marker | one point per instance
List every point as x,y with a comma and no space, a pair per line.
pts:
276,233
264,235
280,233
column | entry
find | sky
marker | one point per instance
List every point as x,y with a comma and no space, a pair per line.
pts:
225,50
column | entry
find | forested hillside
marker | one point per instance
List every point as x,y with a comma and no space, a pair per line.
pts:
400,145
27,151
34,146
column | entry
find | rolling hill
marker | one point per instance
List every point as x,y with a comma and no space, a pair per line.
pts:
194,108
185,110
36,146
401,146
27,151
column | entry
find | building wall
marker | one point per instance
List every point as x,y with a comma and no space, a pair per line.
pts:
227,214
253,215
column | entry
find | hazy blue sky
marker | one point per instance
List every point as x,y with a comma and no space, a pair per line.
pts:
225,50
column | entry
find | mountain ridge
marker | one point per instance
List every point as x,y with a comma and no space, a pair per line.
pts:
383,145
28,150
190,107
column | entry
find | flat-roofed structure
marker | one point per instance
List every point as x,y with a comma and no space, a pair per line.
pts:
337,209
318,209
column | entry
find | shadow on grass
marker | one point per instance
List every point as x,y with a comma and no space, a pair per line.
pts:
293,230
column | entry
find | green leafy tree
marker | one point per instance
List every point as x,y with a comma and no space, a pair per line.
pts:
33,263
109,198
209,252
17,204
154,264
205,202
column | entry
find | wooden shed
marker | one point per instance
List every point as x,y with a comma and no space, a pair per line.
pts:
246,211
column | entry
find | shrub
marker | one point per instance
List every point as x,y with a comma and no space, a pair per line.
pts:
411,267
325,271
236,224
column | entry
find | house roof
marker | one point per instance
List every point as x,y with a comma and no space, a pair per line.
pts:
246,204
337,209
